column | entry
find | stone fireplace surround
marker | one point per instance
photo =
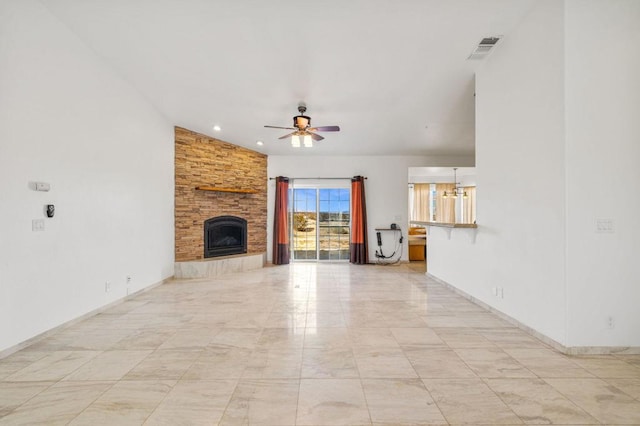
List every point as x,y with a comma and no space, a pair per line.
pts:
235,184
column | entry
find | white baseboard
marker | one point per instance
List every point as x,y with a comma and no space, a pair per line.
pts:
568,350
6,352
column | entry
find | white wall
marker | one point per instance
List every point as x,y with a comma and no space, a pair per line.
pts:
603,149
67,120
465,176
386,188
520,241
557,149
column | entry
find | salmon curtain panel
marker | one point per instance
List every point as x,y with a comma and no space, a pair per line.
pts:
469,211
280,226
421,202
359,246
445,207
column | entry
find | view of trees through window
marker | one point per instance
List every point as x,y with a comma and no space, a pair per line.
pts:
320,221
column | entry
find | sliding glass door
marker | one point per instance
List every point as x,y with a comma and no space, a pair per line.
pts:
333,224
320,225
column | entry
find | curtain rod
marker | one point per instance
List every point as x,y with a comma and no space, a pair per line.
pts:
316,178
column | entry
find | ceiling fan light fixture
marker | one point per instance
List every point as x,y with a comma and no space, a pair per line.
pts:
301,121
308,142
303,133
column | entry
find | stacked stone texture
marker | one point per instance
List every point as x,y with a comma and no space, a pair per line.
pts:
201,160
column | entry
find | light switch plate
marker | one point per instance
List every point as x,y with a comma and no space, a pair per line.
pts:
42,186
37,225
604,226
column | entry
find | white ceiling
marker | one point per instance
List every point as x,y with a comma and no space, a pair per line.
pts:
392,74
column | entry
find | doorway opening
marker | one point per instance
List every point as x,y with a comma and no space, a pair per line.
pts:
445,195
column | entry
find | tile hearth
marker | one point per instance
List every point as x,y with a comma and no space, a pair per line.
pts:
216,266
309,344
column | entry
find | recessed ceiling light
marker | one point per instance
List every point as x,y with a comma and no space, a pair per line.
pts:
260,143
217,128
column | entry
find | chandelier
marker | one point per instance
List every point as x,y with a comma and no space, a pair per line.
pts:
458,190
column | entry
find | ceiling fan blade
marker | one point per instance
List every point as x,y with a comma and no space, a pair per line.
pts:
285,128
315,137
287,136
325,129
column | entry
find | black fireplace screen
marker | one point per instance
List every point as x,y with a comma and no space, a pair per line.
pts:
225,235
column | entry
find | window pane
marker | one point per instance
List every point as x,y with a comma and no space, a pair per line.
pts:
344,207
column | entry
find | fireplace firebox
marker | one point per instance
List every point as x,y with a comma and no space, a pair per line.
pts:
225,235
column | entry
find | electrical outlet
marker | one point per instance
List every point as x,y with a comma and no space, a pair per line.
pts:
37,225
610,323
501,293
107,286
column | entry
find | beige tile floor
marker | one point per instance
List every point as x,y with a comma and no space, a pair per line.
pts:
309,344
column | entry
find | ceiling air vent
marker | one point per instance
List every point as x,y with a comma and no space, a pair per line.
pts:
484,47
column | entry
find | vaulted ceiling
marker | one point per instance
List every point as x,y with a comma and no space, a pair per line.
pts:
393,74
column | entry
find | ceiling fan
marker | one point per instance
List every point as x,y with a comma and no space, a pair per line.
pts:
302,129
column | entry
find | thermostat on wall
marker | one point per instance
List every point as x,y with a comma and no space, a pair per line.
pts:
42,186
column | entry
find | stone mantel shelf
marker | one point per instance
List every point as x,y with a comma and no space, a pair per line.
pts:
218,189
445,225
